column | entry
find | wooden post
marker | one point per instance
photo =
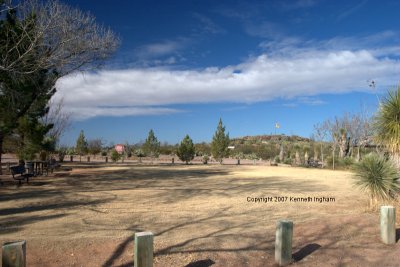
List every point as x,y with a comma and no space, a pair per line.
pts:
143,249
173,160
388,224
14,254
283,242
238,162
71,158
106,159
88,159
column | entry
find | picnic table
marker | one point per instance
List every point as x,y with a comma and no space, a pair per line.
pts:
35,167
39,167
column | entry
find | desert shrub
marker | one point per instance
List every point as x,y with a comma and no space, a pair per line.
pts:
348,162
341,163
115,156
104,153
277,159
378,177
205,159
251,156
61,152
287,161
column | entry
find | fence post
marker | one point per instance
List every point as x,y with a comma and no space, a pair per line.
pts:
14,254
388,224
143,249
106,159
283,242
71,158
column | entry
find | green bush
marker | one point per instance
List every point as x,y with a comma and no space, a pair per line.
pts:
287,161
115,156
340,163
206,158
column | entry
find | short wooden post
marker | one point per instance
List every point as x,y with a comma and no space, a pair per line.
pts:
14,254
143,249
283,242
238,162
106,159
88,159
173,160
388,224
71,158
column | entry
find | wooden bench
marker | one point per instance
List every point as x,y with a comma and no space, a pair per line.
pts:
20,169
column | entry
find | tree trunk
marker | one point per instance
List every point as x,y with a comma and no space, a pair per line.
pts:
395,157
1,152
333,159
358,154
322,155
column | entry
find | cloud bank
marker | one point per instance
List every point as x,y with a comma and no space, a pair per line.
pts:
298,73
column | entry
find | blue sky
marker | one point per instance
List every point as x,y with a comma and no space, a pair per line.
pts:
184,64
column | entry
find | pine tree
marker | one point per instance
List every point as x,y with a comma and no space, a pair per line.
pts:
152,146
186,150
81,145
220,142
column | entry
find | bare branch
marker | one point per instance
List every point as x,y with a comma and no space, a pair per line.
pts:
66,39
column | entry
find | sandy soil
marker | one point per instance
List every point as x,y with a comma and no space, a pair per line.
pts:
201,215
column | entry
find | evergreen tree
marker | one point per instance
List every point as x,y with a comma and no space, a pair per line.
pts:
23,98
81,145
186,150
151,147
220,142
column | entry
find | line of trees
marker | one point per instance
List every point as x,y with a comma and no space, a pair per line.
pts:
152,148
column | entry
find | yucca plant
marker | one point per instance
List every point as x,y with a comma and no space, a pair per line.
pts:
378,177
387,124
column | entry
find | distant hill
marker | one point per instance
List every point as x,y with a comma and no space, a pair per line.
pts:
268,138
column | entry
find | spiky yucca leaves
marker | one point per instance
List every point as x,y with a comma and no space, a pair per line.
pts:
387,124
377,176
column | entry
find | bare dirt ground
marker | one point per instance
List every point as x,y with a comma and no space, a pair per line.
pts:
201,215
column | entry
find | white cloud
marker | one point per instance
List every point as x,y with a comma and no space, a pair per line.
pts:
302,72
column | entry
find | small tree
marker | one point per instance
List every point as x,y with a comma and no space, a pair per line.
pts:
220,143
151,147
94,146
115,156
81,147
140,154
186,150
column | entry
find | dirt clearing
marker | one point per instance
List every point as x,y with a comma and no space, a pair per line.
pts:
201,216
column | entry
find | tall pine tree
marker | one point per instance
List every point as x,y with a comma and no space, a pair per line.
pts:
220,143
81,145
152,146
